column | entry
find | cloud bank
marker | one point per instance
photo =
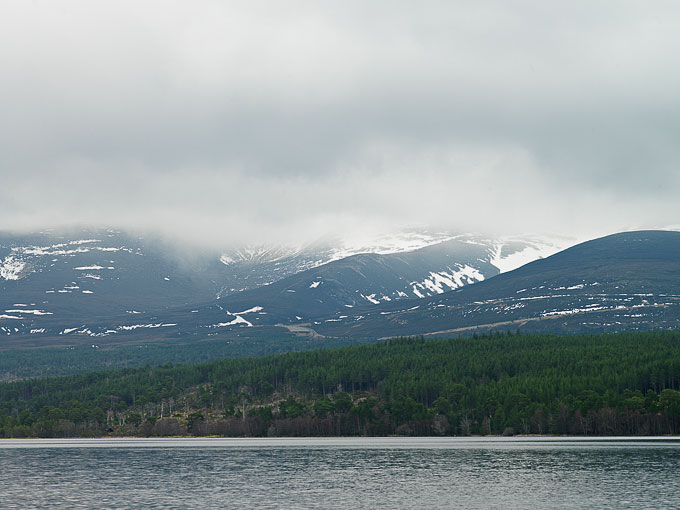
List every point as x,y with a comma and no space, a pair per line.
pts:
257,121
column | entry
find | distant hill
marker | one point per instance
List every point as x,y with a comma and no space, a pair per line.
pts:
626,281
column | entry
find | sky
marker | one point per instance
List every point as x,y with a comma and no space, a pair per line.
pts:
232,122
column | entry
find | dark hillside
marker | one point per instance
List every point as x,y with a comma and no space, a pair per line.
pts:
627,281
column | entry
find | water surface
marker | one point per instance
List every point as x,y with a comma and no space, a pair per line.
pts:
341,473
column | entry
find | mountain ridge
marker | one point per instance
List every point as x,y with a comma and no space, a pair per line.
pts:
104,282
602,277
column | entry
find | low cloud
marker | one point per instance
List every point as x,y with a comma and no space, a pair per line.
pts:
246,122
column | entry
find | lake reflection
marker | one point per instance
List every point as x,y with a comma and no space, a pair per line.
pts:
341,473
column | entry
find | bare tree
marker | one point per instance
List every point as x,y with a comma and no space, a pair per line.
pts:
465,426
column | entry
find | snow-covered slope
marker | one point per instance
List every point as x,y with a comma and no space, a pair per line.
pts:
264,265
511,252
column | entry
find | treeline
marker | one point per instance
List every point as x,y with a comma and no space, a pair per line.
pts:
626,383
18,364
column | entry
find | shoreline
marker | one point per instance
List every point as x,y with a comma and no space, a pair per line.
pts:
338,441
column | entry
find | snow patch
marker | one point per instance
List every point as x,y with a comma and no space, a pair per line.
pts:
33,312
509,261
84,241
575,310
397,242
136,326
237,320
12,268
249,310
58,249
371,299
454,278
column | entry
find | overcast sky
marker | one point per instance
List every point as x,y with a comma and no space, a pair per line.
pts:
249,121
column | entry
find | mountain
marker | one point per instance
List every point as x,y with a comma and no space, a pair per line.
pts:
626,281
356,281
264,264
63,289
93,271
260,265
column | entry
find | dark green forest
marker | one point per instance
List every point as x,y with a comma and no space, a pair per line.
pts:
77,359
609,384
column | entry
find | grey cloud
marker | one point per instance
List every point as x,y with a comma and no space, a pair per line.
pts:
262,120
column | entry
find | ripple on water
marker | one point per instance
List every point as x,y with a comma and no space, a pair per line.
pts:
358,473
